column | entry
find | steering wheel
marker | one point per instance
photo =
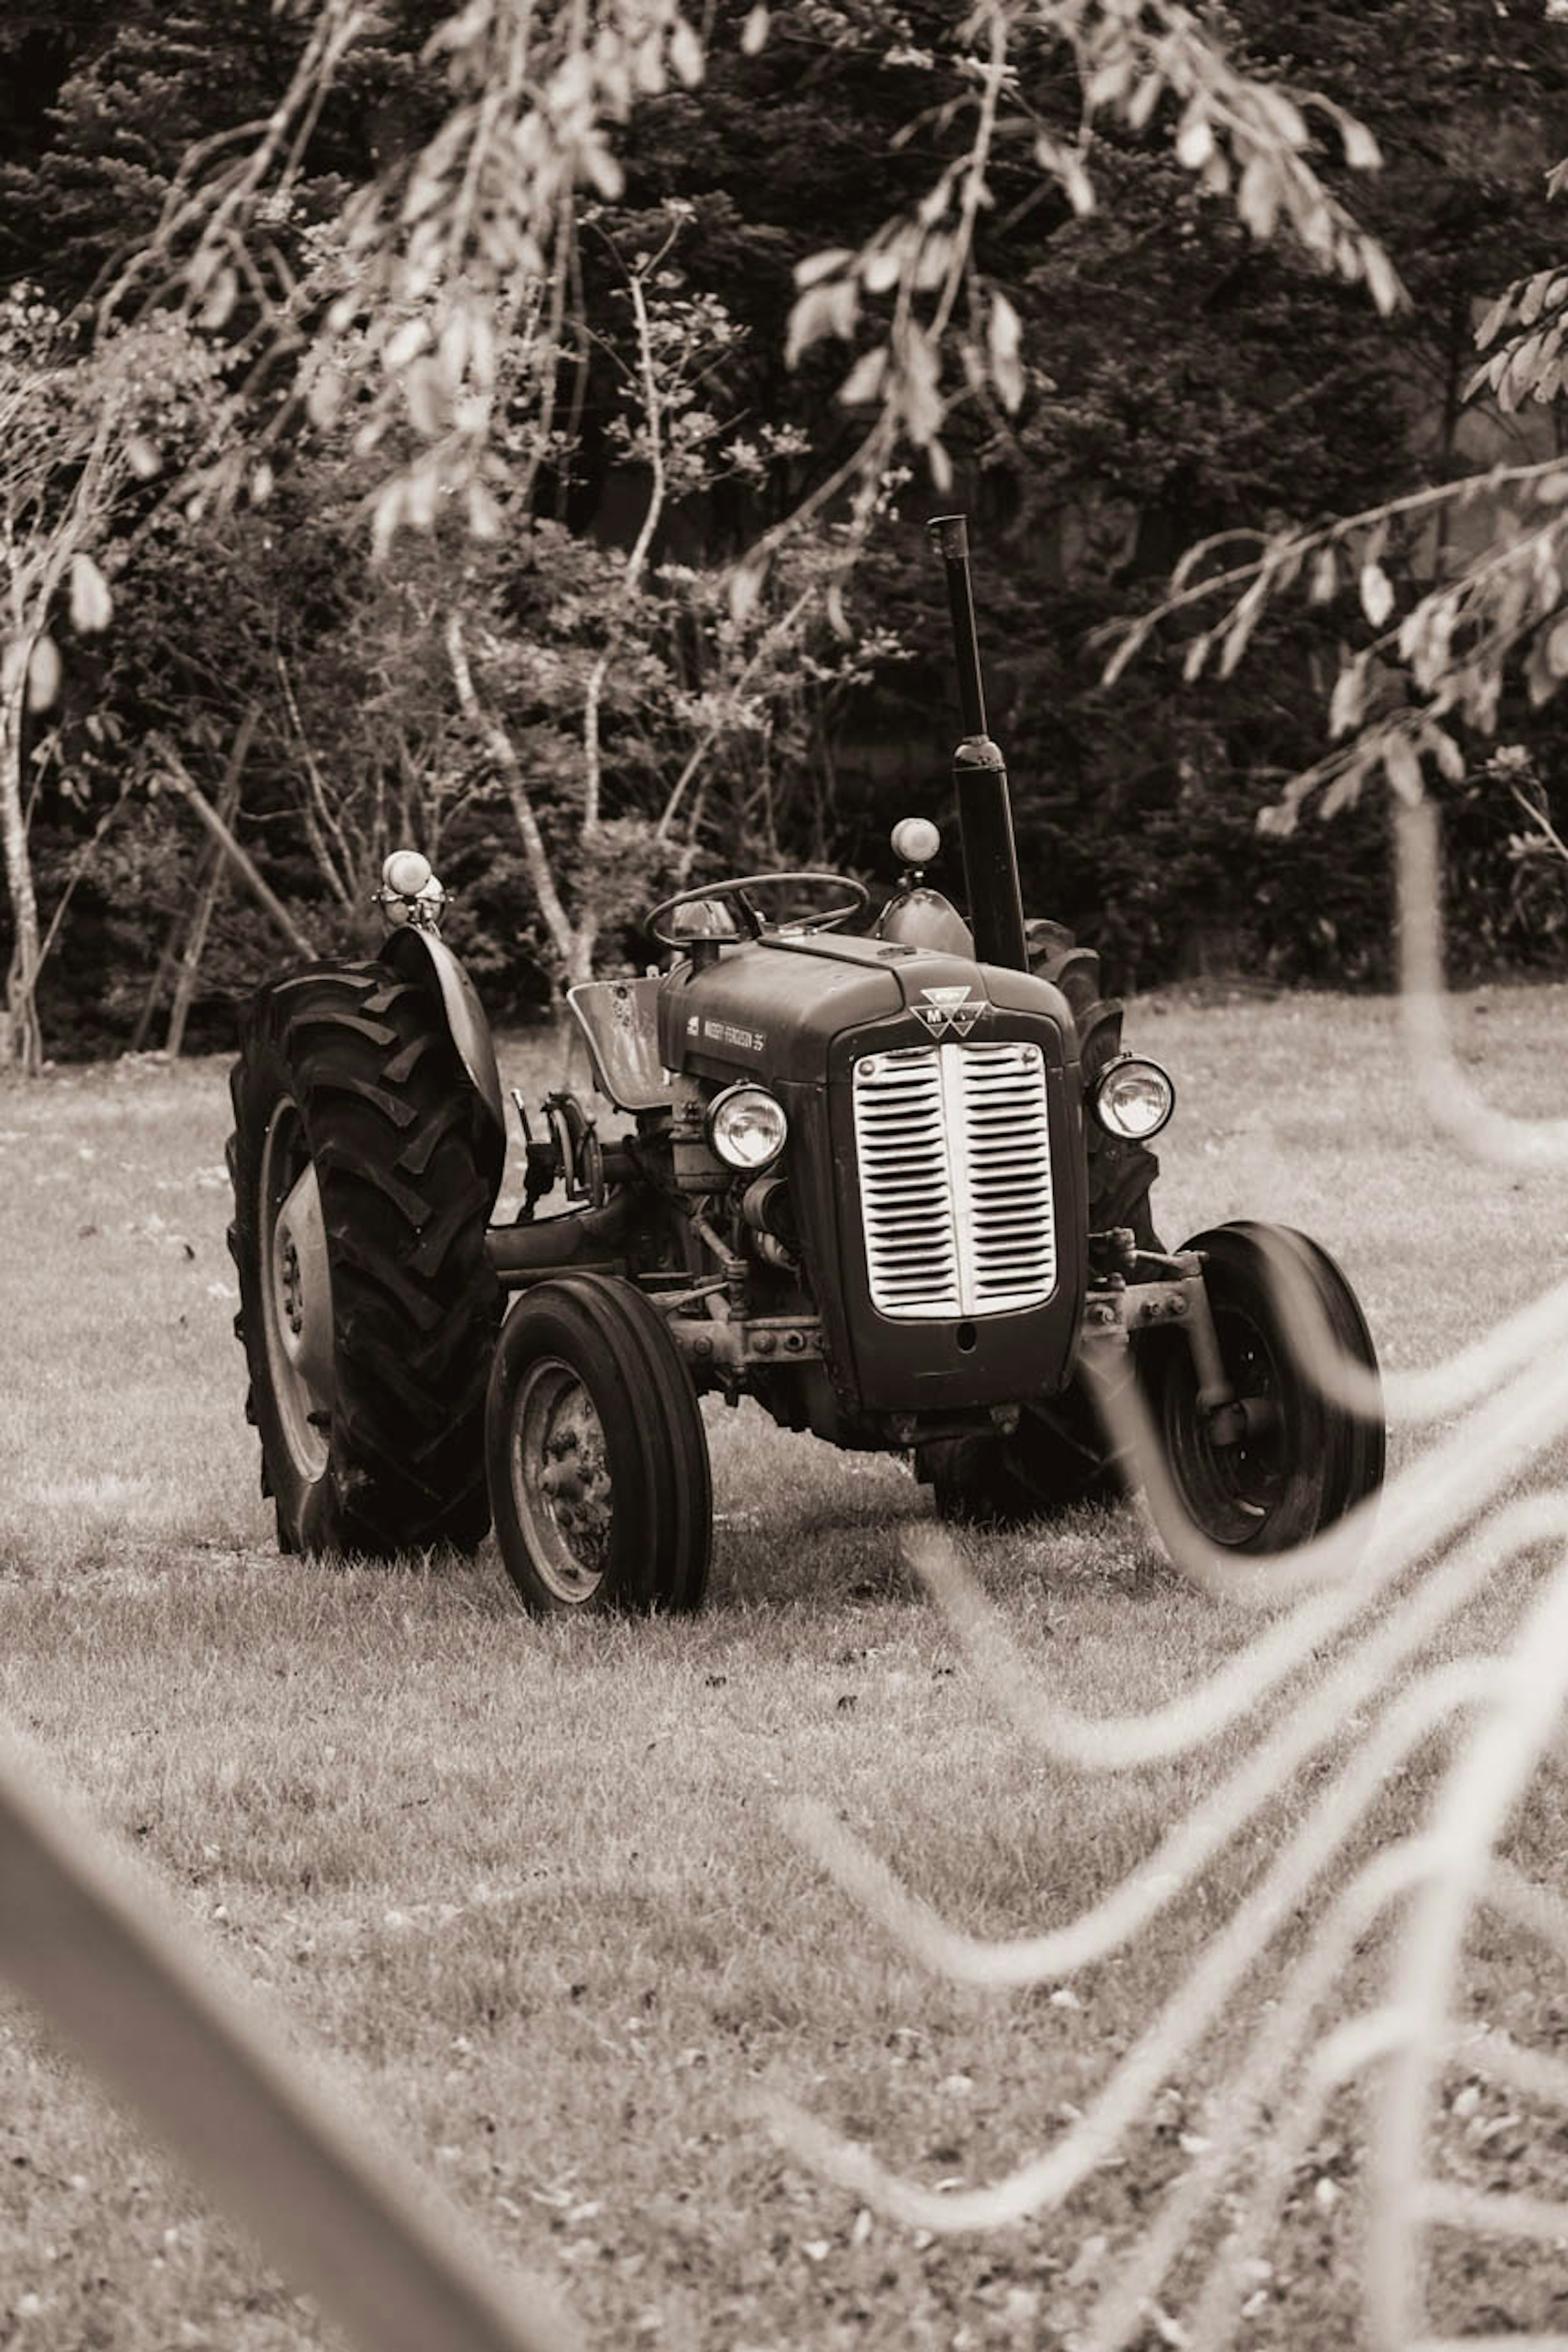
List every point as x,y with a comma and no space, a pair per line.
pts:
734,890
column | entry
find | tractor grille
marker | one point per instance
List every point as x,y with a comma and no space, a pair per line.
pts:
955,1179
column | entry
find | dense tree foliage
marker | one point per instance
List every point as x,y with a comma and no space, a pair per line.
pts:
461,573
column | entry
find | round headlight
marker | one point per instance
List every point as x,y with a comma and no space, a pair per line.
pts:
1133,1098
746,1127
915,840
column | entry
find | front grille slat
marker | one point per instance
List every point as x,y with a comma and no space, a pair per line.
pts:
957,1197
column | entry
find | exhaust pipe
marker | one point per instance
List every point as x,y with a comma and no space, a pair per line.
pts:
980,779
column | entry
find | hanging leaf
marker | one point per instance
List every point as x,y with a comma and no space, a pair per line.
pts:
91,605
1144,99
1377,593
864,381
686,53
1004,336
1496,318
1325,582
401,347
1362,153
43,674
754,31
1382,281
1195,141
1349,700
1344,791
1258,198
923,406
1519,375
1450,757
824,310
825,264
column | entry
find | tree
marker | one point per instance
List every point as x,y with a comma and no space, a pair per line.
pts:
1099,278
74,445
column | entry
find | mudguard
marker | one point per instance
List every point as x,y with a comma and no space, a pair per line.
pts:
925,918
419,954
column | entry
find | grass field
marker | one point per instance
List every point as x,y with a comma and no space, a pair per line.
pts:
527,1886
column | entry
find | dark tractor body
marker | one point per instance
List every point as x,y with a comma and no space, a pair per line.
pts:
893,1184
911,1324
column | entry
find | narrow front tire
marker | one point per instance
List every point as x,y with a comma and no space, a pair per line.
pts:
595,1453
1305,1459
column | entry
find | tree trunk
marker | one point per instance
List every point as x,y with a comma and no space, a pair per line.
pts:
573,946
209,888
237,856
21,1041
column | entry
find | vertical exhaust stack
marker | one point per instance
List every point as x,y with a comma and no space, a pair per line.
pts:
980,779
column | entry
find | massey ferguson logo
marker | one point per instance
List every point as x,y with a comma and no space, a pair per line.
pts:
950,1008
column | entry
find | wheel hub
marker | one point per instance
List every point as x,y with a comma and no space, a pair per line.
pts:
1229,1463
296,1294
561,1480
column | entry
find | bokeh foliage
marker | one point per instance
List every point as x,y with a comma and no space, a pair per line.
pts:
1153,372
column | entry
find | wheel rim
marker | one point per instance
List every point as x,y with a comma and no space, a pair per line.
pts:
296,1293
560,1474
1230,1492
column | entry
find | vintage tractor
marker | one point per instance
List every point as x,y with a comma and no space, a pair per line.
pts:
893,1182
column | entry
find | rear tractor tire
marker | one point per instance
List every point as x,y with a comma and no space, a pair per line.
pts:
1120,1173
364,1168
596,1454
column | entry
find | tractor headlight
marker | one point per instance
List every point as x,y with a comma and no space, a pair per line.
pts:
1133,1098
746,1127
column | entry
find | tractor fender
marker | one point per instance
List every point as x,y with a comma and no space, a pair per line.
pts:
418,953
922,917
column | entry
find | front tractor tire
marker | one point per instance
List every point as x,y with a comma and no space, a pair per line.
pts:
596,1454
1305,1460
363,1168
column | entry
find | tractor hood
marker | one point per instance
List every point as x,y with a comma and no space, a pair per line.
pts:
768,1008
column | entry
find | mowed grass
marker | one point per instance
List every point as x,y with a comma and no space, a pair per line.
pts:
525,1892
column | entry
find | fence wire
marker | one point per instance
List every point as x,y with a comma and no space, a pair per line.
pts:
84,1936
89,1939
1381,1586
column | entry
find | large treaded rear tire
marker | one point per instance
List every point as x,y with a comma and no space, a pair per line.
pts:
349,1071
1120,1173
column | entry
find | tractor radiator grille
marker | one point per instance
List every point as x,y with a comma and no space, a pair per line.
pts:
955,1179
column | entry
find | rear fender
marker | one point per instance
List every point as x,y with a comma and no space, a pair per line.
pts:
419,955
